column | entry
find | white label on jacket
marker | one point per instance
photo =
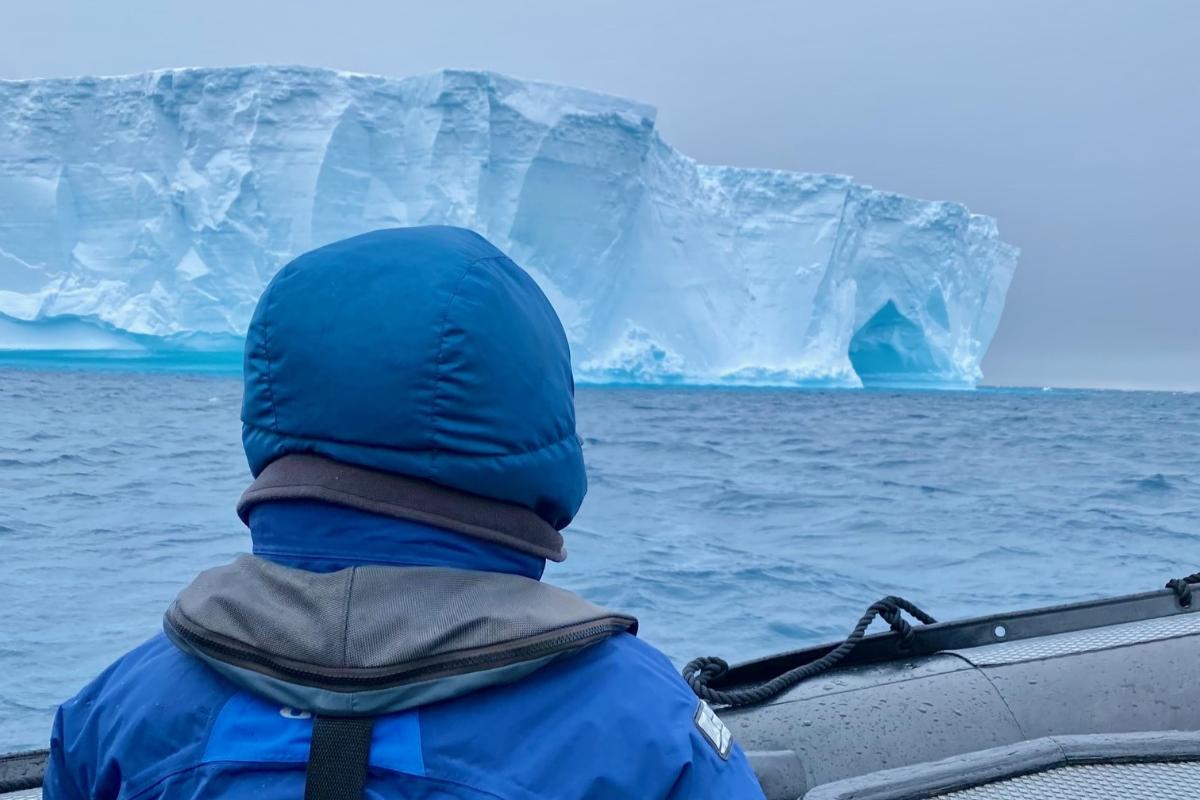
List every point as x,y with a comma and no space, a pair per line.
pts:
287,712
713,730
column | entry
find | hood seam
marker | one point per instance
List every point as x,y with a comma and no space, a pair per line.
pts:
268,356
436,401
346,618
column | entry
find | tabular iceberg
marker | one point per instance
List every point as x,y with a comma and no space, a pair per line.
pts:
149,211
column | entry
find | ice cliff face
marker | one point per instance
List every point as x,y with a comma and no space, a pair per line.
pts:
150,210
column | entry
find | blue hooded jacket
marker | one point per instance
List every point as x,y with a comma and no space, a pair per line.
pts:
359,381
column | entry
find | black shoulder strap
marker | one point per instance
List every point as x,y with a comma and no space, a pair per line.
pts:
337,758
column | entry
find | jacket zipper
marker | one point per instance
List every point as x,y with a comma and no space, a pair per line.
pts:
466,663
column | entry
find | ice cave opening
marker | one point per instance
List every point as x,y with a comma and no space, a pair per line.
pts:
892,350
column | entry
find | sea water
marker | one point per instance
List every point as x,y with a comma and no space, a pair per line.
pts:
731,522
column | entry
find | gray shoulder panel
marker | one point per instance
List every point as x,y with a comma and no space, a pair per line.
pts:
368,631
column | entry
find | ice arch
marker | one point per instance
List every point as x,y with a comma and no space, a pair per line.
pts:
890,349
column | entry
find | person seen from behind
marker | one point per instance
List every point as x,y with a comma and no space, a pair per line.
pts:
409,422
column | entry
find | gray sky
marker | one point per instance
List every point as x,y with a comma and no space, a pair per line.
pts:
1075,124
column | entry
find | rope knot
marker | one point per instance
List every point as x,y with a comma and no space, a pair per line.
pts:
892,616
1182,587
701,673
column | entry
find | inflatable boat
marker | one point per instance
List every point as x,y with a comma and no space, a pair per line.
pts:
1090,701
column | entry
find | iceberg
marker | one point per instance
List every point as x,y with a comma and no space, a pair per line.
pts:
149,211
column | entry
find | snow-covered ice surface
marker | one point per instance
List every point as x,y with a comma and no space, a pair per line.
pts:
149,211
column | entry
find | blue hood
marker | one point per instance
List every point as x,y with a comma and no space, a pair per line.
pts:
419,352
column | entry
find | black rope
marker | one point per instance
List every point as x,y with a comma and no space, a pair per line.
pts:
701,672
1182,587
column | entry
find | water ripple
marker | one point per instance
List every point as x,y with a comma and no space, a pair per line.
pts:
730,522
